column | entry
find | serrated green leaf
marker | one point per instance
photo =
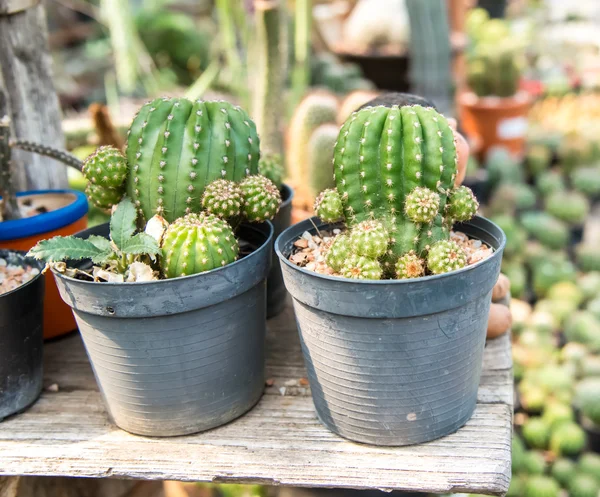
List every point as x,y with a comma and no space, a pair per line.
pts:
62,248
140,244
103,257
122,222
100,242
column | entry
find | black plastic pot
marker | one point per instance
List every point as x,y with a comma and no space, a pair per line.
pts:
394,362
21,340
276,292
387,72
478,182
495,8
178,356
593,434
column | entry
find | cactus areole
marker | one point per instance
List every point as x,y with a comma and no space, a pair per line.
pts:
176,147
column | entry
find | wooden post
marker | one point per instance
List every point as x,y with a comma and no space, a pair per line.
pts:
31,103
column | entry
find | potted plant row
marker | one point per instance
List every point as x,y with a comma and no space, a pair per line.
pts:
392,308
170,296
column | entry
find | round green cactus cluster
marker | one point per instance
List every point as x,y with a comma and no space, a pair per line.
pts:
570,207
369,239
563,471
223,198
536,433
271,166
338,252
422,205
583,485
176,148
358,267
541,486
446,256
567,439
196,243
261,198
106,171
409,266
397,166
462,204
328,206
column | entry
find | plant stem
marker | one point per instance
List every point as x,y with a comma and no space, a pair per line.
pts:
302,32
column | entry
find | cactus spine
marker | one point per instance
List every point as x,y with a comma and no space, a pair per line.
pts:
175,148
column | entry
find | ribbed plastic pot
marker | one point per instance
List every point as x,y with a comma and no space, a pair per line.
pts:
21,339
276,292
393,362
178,356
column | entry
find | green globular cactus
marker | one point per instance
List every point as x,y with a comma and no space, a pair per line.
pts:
589,464
517,487
422,205
538,159
570,207
409,266
261,198
557,413
102,197
567,439
549,182
382,155
583,486
511,197
223,198
196,243
518,453
462,204
536,433
587,257
338,252
319,168
583,327
548,230
328,206
176,147
494,71
271,166
541,486
534,463
369,239
586,180
563,470
446,256
358,267
106,167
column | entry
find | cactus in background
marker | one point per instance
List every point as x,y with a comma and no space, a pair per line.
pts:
549,182
538,159
408,188
175,148
319,168
316,109
548,230
586,180
570,207
567,439
587,257
196,243
589,464
494,71
563,471
583,486
271,166
541,486
536,433
268,98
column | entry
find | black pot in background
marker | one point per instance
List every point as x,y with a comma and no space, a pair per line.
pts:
387,72
593,434
276,292
478,182
21,339
495,8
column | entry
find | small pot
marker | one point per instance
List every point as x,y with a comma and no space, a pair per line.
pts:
66,215
376,68
178,356
21,341
276,292
393,362
496,121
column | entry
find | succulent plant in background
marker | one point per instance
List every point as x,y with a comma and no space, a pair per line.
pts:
586,180
538,159
549,182
545,228
400,199
571,207
271,167
494,70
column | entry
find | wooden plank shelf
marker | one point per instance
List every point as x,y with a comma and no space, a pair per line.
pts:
280,442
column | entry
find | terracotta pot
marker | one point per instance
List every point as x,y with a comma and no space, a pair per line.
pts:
66,215
495,121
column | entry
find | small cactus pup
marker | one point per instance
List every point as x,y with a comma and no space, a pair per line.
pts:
196,243
127,256
176,148
395,168
106,171
271,166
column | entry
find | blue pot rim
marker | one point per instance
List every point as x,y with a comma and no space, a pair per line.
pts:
47,221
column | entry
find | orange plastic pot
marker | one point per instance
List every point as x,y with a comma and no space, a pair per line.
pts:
66,215
495,121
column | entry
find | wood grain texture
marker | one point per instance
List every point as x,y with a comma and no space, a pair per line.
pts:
26,77
280,442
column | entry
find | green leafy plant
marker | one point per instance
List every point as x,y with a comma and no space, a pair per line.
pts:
116,255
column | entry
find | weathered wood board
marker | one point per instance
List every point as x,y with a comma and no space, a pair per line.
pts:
280,442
